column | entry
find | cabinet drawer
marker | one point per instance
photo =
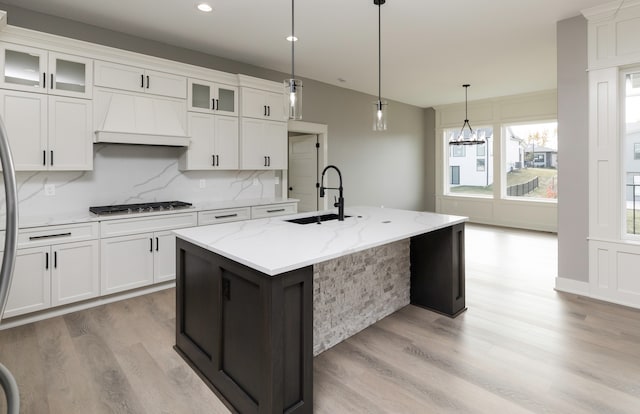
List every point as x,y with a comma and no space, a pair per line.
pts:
272,210
50,235
113,228
223,215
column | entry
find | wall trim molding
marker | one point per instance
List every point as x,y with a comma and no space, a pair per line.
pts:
577,287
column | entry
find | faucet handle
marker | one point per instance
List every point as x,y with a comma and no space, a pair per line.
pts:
335,199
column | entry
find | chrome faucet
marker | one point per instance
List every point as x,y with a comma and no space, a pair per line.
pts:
340,202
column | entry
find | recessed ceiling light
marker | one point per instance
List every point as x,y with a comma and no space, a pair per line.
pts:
292,38
204,7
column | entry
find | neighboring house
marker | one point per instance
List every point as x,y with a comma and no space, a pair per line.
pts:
468,163
538,156
515,152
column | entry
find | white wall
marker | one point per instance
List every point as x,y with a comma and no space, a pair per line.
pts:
496,112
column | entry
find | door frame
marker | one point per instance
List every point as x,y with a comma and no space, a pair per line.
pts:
321,130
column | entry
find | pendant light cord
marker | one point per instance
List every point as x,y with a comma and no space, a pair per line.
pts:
379,56
293,40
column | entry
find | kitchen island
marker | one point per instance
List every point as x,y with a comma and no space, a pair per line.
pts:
257,299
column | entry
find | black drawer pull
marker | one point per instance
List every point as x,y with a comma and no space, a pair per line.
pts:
276,211
227,216
49,236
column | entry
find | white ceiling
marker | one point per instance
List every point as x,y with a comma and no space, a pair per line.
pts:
429,48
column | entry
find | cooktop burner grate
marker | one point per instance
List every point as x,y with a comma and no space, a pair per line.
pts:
139,207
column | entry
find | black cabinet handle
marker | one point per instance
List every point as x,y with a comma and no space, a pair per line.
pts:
52,82
48,236
279,210
148,83
213,160
157,244
142,81
268,111
265,110
217,104
151,244
290,188
55,260
226,216
226,289
213,104
44,157
51,160
268,160
46,261
217,160
44,80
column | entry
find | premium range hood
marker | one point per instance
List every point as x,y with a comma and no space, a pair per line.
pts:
129,118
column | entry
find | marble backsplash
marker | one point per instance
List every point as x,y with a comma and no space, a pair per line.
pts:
125,174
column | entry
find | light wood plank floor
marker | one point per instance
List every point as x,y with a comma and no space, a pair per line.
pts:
520,348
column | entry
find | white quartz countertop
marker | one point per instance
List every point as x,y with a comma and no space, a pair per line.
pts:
273,246
84,216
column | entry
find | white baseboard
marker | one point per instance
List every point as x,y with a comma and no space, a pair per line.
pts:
572,286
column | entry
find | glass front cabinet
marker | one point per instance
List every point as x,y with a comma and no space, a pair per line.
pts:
36,70
208,97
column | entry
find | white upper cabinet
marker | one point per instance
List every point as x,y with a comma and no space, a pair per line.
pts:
36,70
260,104
209,97
48,132
214,143
263,145
135,79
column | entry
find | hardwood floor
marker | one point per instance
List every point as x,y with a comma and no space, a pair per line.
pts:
520,348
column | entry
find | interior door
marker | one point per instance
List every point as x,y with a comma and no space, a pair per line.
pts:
303,171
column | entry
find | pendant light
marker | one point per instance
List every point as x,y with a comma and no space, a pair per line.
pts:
293,86
472,138
380,106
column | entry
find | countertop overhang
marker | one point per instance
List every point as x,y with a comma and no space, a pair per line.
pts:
274,246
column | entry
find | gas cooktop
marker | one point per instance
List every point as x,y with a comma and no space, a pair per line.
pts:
140,207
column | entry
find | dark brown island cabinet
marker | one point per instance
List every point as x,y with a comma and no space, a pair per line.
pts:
249,335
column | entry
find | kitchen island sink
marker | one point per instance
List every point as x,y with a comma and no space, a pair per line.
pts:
315,219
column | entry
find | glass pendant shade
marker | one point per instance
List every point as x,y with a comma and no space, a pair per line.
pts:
293,98
380,115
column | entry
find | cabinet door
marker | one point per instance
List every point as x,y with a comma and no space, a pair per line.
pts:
117,76
23,68
225,145
199,155
226,100
164,258
70,138
165,84
201,96
30,289
275,145
126,262
25,118
253,103
75,272
252,154
275,105
70,75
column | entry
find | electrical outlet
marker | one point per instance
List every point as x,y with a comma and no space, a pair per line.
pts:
203,183
256,182
49,189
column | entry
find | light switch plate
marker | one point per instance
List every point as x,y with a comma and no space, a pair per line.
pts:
203,183
49,189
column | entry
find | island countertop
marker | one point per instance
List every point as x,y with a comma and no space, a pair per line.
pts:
274,246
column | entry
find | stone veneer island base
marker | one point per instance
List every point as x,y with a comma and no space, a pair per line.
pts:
251,332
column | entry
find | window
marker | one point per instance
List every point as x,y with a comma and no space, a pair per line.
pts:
455,175
631,154
468,170
458,151
531,168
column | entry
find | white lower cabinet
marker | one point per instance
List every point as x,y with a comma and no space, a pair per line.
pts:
147,256
53,275
127,262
